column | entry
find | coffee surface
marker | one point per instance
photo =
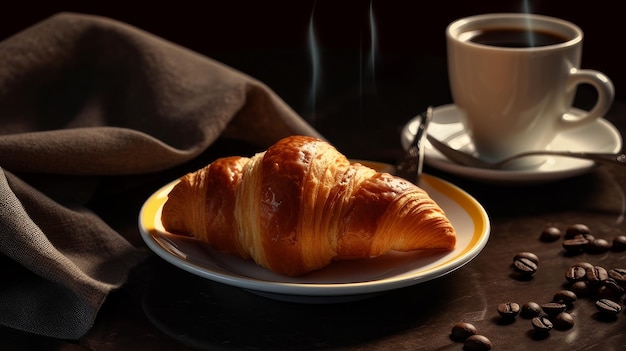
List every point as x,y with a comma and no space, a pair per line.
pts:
516,38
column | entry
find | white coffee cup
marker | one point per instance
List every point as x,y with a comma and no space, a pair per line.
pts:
513,97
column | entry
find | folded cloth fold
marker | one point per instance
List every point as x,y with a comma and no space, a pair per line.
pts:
84,97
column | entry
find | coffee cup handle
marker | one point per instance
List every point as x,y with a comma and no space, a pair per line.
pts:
604,88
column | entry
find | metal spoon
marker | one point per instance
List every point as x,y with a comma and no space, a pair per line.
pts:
411,165
466,159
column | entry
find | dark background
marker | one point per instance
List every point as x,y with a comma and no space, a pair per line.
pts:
363,116
269,40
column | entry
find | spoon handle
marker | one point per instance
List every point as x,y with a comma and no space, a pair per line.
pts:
609,158
410,166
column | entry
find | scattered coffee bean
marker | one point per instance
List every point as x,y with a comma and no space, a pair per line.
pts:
542,324
553,308
587,236
619,243
608,307
550,234
526,263
581,288
584,278
508,309
598,246
462,331
575,229
584,264
565,296
563,321
575,246
530,310
527,255
596,275
525,267
477,343
576,273
619,275
610,290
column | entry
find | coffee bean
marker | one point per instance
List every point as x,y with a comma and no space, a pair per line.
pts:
542,324
587,236
563,321
613,285
608,307
565,296
575,246
550,234
553,308
477,343
462,331
528,255
596,275
619,275
584,264
598,246
581,288
576,229
530,310
526,263
508,309
610,290
605,293
576,273
619,243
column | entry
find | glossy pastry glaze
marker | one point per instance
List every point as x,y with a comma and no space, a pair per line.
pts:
300,205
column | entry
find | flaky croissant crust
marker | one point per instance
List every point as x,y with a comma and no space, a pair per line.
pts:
300,205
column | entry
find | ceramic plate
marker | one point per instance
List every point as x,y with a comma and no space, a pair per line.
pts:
340,281
599,136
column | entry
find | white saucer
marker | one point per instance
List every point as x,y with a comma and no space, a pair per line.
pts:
599,136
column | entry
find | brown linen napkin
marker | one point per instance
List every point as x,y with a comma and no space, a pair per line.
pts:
84,98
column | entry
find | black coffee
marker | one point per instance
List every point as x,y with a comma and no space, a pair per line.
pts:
517,38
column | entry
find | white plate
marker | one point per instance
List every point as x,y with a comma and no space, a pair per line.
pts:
599,136
340,281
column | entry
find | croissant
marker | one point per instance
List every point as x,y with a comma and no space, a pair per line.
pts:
300,205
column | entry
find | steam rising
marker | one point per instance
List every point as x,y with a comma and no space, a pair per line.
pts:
526,9
367,76
366,64
314,54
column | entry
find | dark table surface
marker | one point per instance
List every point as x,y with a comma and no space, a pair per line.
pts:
165,308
